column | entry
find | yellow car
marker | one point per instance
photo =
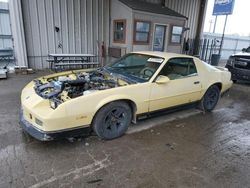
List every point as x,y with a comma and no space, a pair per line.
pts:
108,99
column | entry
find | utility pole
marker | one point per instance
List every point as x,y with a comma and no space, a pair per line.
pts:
222,38
215,22
210,25
199,26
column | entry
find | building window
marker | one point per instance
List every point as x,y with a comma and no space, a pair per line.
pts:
141,32
120,31
176,34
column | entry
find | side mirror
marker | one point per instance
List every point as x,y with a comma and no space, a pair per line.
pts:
162,79
244,50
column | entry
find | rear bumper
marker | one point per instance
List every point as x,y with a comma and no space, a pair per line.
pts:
225,92
239,74
55,135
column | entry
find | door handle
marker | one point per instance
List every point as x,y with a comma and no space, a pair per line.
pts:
197,82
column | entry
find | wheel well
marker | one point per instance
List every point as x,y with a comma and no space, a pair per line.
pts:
131,104
133,107
219,85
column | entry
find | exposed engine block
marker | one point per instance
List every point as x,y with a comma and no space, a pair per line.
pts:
83,84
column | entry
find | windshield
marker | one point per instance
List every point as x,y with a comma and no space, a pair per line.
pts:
139,67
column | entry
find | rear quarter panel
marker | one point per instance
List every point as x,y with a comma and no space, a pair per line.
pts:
210,75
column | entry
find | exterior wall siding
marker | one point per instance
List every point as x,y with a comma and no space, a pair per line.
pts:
188,8
130,15
123,13
159,19
82,24
5,30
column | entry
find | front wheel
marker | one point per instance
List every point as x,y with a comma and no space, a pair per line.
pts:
112,120
211,98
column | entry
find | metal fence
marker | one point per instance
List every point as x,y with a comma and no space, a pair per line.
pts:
208,47
210,44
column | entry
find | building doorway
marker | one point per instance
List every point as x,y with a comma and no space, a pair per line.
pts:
159,37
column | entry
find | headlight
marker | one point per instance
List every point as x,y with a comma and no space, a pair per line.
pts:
230,61
53,104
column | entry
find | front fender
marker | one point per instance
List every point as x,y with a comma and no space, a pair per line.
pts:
88,105
112,98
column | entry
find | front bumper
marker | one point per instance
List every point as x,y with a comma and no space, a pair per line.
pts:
55,135
239,74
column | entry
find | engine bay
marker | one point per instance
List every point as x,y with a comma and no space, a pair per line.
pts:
75,84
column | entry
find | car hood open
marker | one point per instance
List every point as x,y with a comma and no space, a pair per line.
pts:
70,85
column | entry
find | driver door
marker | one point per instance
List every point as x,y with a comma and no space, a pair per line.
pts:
184,85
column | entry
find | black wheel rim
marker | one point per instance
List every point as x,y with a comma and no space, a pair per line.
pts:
115,120
211,98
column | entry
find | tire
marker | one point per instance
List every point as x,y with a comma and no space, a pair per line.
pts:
234,81
112,120
210,99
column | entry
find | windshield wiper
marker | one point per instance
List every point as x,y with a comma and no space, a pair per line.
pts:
120,75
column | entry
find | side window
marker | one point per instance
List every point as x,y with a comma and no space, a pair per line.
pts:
177,68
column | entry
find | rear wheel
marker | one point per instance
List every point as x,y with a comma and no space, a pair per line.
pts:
112,120
211,98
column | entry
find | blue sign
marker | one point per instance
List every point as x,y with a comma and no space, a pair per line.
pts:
223,7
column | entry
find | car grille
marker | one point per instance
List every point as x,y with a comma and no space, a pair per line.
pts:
242,63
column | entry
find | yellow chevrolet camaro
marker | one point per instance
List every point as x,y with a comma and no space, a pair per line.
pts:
108,99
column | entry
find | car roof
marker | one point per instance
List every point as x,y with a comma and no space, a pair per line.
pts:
165,55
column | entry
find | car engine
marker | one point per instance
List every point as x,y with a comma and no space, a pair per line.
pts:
74,85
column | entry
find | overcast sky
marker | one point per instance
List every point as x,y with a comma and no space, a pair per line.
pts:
238,22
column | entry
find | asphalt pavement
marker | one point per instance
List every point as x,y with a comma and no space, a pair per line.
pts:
182,149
